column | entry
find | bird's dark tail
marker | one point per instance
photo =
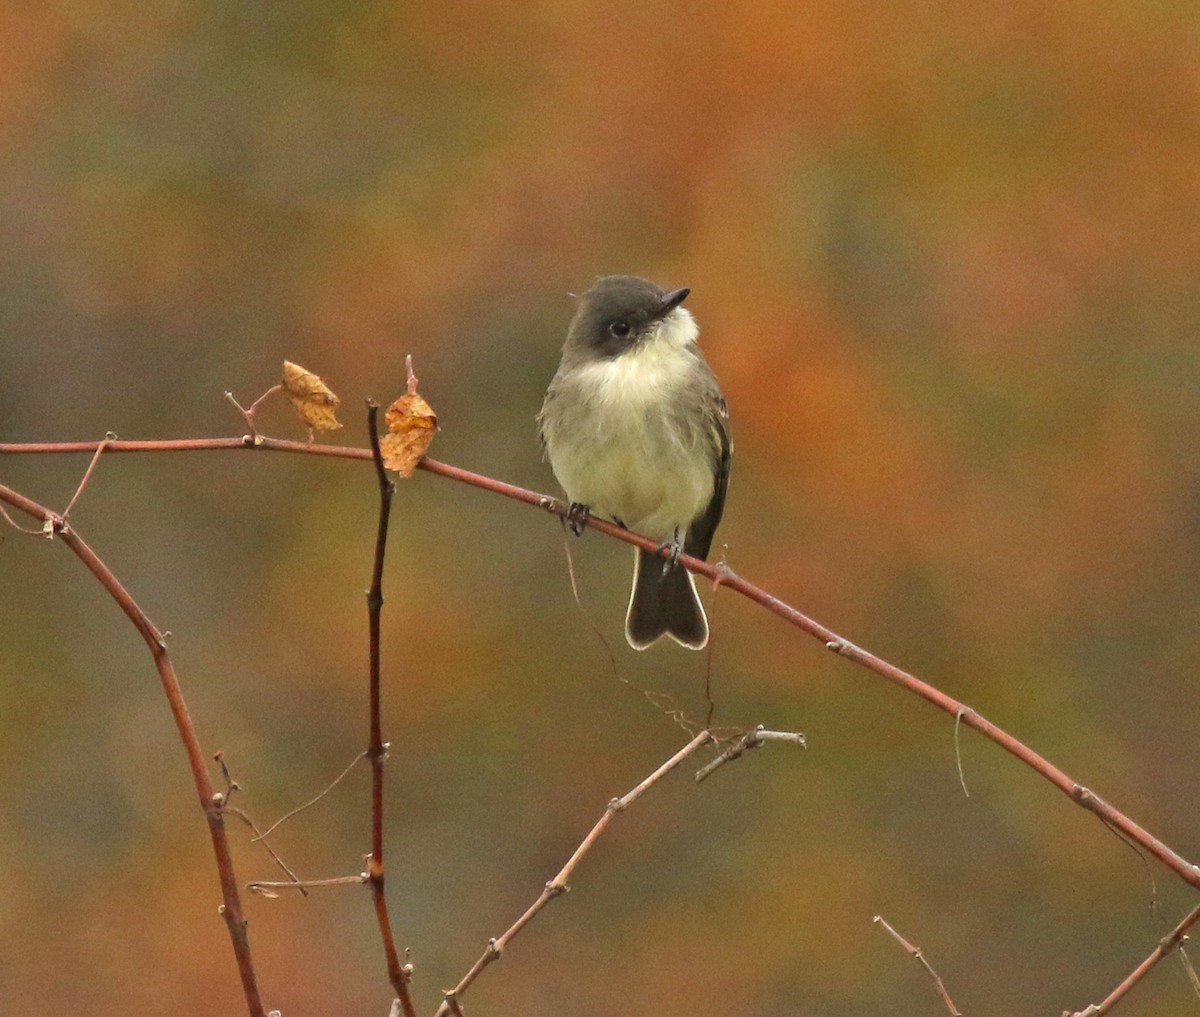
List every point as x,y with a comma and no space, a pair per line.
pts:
663,604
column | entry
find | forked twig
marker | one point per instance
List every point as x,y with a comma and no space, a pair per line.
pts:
249,414
558,885
749,740
210,802
296,881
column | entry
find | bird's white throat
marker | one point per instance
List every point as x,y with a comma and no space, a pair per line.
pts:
651,369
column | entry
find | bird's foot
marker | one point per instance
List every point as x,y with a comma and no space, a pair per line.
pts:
577,517
675,546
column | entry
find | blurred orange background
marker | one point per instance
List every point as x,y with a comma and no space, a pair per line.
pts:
944,258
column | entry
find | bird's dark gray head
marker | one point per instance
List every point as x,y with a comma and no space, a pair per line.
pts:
617,313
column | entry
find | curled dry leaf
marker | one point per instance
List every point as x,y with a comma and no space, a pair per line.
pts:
313,399
411,425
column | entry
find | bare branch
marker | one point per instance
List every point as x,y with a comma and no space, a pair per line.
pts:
295,880
915,952
718,572
249,414
749,740
266,887
399,975
1174,940
210,802
558,885
87,474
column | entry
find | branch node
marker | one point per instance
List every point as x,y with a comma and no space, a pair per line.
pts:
616,805
749,740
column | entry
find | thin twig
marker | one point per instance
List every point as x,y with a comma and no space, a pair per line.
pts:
248,414
1079,794
265,886
399,975
558,885
231,786
1188,967
915,952
962,777
1169,943
661,701
231,908
749,740
87,474
710,652
21,529
312,801
296,881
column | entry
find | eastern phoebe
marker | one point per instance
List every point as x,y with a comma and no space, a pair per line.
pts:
634,427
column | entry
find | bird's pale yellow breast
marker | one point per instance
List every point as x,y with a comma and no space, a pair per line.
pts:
631,457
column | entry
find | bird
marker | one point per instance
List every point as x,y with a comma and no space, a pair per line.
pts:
635,428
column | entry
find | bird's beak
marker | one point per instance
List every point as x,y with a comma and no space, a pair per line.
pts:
672,301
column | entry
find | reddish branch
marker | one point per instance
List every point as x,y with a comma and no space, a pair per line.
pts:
722,576
398,974
718,574
231,909
1171,942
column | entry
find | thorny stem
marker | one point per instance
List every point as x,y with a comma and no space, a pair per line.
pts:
558,885
231,908
1171,942
722,575
398,975
717,573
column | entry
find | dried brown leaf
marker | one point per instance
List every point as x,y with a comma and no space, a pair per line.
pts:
411,425
313,399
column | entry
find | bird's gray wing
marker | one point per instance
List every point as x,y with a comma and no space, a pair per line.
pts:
700,533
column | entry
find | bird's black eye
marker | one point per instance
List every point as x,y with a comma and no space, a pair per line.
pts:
620,329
